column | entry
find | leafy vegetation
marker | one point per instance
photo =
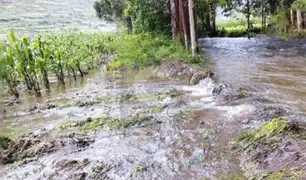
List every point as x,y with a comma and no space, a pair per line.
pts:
4,142
237,27
135,51
32,62
136,15
274,128
104,122
286,174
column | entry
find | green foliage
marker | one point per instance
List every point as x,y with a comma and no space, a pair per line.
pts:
72,54
145,16
136,51
273,128
237,27
265,133
4,142
299,4
109,10
149,16
105,122
292,174
31,61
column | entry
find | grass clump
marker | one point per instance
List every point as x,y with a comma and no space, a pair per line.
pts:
269,133
274,128
292,174
147,97
105,122
4,142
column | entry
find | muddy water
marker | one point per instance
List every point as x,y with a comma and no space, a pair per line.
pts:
273,67
188,136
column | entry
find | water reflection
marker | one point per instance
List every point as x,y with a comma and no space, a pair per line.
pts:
273,66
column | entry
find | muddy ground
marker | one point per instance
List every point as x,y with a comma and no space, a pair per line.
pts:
173,122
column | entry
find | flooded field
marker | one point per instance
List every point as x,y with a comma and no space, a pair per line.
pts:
146,124
170,129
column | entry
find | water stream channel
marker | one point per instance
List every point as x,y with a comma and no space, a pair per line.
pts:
174,130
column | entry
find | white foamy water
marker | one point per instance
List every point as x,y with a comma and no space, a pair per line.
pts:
204,88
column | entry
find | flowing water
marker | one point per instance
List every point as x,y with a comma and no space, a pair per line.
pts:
188,135
185,137
275,68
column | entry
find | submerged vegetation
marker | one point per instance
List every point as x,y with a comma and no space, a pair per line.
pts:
32,61
286,174
260,146
104,122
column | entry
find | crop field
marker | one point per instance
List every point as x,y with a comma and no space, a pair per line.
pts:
30,17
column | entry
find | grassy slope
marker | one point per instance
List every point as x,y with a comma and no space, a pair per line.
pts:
30,17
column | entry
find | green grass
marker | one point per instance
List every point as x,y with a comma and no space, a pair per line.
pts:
104,122
293,174
141,50
237,27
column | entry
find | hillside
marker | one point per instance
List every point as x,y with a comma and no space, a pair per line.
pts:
33,16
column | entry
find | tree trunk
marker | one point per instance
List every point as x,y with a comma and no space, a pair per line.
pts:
129,25
248,17
263,15
292,17
174,18
191,8
213,17
299,20
183,22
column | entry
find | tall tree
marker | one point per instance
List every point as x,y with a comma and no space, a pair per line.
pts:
174,18
191,8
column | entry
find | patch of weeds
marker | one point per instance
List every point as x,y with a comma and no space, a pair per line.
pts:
274,128
244,92
138,170
237,175
148,97
257,145
126,97
5,141
71,125
292,173
80,103
184,114
106,99
66,104
105,122
156,109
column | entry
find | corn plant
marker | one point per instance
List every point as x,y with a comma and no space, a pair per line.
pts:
32,62
8,73
42,55
22,54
